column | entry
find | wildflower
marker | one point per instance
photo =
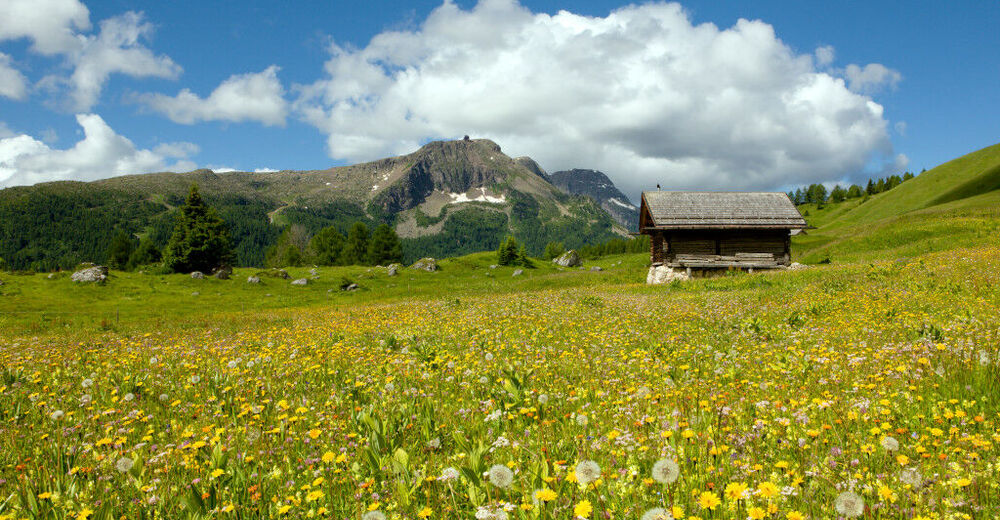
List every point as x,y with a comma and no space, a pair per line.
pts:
910,476
328,457
666,471
849,504
657,513
708,500
128,397
56,415
425,512
757,513
85,399
195,379
434,443
583,509
587,471
886,493
543,399
767,489
87,383
736,490
545,495
373,515
124,465
449,474
216,473
582,420
314,495
889,443
501,476
795,515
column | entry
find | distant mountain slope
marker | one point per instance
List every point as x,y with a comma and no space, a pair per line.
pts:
597,185
956,204
447,198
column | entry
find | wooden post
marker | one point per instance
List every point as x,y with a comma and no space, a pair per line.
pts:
787,258
656,247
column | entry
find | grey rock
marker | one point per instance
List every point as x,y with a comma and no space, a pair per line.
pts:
197,275
427,264
196,293
93,274
51,276
281,273
253,279
518,272
352,287
662,274
223,273
300,281
568,259
596,268
393,270
494,266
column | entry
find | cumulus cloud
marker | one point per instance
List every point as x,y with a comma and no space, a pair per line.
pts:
264,170
101,153
245,97
13,84
825,55
50,24
642,94
871,78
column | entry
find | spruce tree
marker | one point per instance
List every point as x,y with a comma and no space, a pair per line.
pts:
384,247
120,251
200,240
326,246
356,249
145,254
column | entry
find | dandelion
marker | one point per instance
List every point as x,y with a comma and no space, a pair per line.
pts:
582,420
195,379
85,399
736,491
849,504
583,509
153,360
890,443
543,399
587,471
449,474
56,415
911,477
501,476
545,495
657,513
434,443
708,500
373,515
87,383
163,398
124,465
128,397
666,471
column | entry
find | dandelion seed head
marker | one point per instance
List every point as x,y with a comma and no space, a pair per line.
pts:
501,476
849,504
666,471
587,471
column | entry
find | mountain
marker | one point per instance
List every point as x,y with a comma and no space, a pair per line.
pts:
447,198
597,185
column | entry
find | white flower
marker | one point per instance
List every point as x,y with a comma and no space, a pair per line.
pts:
911,476
85,399
587,471
582,420
889,443
164,397
849,504
449,474
153,360
87,383
373,515
195,379
56,415
128,397
657,513
434,443
666,471
501,476
543,399
231,364
124,464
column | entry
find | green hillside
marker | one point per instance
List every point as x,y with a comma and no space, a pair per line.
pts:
956,204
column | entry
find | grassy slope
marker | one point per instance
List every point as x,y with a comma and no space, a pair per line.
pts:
953,205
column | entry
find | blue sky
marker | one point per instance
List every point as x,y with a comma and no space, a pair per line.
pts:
805,92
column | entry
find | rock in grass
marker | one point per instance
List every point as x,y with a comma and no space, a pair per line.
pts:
197,275
300,281
427,264
352,287
92,274
518,272
568,259
661,274
253,279
222,273
596,268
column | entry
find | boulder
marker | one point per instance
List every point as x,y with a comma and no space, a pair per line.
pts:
795,266
494,266
393,269
253,279
352,287
427,264
596,268
300,281
518,272
661,274
280,273
313,272
196,293
92,274
197,275
223,273
568,259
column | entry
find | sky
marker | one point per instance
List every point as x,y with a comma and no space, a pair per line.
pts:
712,95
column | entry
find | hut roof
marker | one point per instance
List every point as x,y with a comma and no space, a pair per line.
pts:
718,210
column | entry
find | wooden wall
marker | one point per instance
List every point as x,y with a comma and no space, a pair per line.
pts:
728,243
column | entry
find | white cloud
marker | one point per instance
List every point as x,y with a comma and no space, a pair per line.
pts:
49,24
641,94
901,128
224,169
12,83
5,131
101,153
825,55
264,170
116,49
246,97
871,78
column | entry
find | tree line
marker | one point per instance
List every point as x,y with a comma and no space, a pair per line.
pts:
818,194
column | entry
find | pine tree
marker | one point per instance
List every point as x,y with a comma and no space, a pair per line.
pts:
384,247
880,186
326,246
855,191
120,250
870,188
288,250
554,249
356,249
507,254
907,176
200,240
145,254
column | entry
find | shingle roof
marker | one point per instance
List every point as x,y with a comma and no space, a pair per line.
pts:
720,210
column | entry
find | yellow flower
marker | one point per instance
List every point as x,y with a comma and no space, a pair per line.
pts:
313,433
708,500
425,512
756,513
329,456
583,509
284,509
735,490
227,508
341,458
767,489
373,506
314,496
795,515
963,482
216,473
545,495
84,514
677,511
885,493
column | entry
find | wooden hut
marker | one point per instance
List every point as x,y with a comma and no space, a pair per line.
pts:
719,230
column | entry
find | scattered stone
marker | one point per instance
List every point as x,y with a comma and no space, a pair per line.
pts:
393,269
280,273
518,272
427,264
352,287
314,272
93,274
329,290
795,266
223,273
596,268
494,266
662,274
568,259
300,281
51,276
197,275
253,279
196,293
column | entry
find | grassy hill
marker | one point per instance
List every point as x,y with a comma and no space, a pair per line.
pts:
956,204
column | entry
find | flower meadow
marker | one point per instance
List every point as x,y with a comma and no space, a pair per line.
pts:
866,391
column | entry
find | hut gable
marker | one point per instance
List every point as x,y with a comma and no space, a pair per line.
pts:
711,230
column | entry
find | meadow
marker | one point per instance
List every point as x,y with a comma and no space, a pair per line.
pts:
865,389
